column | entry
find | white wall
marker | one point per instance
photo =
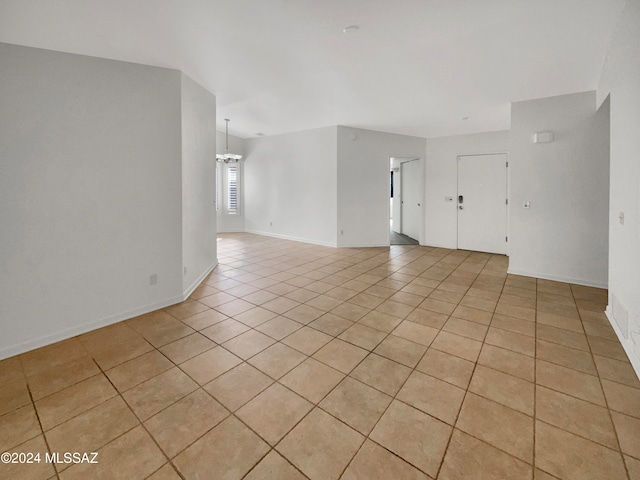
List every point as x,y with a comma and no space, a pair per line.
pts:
90,193
226,222
563,235
363,183
441,180
198,183
291,185
621,79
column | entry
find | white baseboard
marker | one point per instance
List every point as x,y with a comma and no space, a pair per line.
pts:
364,245
627,343
65,334
85,327
558,278
295,239
199,280
438,245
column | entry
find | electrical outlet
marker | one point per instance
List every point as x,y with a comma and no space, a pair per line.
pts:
153,279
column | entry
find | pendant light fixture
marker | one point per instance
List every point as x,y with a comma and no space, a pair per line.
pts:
227,157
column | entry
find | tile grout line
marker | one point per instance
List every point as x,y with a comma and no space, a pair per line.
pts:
374,266
44,436
394,397
606,400
467,390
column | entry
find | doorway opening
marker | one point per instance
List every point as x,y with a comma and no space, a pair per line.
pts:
405,201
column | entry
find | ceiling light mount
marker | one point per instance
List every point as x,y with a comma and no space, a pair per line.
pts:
228,157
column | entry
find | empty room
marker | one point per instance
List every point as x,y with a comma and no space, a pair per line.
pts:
298,239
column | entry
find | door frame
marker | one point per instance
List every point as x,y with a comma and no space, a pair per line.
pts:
508,190
397,192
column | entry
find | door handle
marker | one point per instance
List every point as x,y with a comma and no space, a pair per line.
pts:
461,207
460,198
418,204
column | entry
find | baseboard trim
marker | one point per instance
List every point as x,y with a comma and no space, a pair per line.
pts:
627,343
366,245
12,350
437,245
289,237
187,293
558,278
86,327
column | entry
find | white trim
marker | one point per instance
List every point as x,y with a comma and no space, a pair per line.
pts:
187,293
295,239
12,350
627,343
437,245
86,327
367,245
558,278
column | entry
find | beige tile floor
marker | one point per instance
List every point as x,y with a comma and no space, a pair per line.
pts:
293,361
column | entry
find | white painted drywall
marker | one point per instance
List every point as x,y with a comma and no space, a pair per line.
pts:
226,222
363,183
564,233
621,79
90,193
441,180
290,185
198,183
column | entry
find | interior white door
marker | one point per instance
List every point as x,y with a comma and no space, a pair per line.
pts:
482,203
411,202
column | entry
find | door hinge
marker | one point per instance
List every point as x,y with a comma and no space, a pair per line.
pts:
506,239
507,164
506,202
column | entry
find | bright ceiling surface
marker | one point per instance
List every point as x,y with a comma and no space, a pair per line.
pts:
414,67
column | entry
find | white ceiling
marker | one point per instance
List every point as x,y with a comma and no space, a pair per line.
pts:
415,67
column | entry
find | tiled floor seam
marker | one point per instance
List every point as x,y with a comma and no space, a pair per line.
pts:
371,351
466,392
142,424
44,437
606,400
394,397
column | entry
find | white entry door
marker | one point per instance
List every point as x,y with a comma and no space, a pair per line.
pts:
482,203
411,202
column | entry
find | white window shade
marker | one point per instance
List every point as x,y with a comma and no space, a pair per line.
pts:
232,189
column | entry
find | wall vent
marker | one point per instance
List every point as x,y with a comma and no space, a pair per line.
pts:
620,316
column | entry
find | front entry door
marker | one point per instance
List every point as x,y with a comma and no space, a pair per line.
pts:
482,203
